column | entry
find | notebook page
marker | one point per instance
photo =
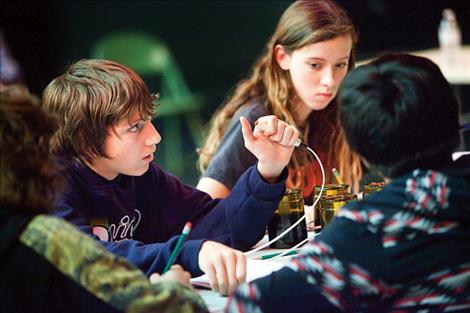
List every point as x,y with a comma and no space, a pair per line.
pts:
254,269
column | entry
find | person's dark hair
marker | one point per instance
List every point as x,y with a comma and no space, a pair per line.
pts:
399,113
29,176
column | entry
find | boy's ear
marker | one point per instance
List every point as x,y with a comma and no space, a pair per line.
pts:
282,57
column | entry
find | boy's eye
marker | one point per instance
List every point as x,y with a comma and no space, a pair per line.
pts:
135,128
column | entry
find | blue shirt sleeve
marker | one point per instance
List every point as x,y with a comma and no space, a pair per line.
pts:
150,257
240,219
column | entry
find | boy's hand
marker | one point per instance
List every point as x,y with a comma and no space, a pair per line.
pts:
176,273
225,267
272,142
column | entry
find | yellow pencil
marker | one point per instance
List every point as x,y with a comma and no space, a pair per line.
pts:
338,178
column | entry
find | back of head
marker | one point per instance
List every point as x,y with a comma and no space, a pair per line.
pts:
88,99
399,113
29,177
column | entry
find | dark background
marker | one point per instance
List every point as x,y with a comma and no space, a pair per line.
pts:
214,42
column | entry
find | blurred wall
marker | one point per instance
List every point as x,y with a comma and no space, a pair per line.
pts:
214,42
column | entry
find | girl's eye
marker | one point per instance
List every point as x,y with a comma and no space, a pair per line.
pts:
342,65
315,65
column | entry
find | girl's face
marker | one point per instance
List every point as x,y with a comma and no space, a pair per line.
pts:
316,71
129,147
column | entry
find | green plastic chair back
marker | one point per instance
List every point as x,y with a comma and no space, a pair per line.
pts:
150,57
144,54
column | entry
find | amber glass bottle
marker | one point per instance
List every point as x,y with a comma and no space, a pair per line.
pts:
290,209
329,190
330,206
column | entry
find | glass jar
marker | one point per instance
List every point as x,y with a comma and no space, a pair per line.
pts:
330,206
290,209
372,187
329,190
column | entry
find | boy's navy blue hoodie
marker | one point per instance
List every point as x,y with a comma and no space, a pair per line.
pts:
141,217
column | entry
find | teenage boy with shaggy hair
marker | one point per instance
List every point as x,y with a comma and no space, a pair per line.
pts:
116,194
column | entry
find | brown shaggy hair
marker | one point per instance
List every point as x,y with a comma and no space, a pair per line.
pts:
30,178
88,99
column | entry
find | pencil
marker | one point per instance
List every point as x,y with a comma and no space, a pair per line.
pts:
272,255
179,244
338,178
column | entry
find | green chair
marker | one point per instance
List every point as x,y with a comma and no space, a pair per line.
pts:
151,58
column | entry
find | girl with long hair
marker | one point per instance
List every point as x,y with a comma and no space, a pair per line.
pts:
295,79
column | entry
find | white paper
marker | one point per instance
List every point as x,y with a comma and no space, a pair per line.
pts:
254,269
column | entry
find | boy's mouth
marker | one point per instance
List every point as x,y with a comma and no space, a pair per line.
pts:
148,157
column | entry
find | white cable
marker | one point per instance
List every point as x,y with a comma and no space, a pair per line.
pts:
303,217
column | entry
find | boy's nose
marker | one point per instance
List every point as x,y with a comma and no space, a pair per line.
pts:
153,137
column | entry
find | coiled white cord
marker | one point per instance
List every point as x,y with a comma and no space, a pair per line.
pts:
298,143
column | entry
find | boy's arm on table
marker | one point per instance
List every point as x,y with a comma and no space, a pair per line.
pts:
240,219
150,258
224,266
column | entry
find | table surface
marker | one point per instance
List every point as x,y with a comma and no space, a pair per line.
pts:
457,72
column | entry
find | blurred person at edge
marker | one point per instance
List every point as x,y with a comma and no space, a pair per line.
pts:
46,264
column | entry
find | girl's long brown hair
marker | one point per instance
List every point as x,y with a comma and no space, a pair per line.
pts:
303,23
